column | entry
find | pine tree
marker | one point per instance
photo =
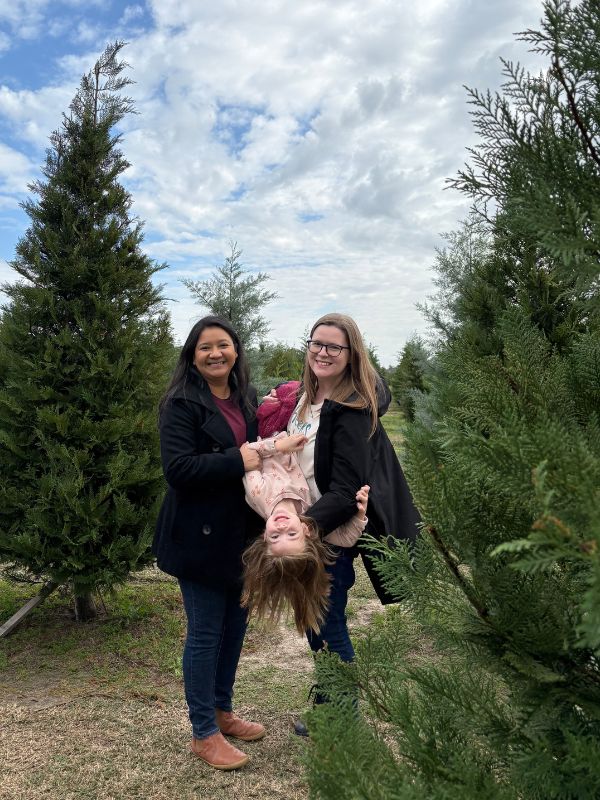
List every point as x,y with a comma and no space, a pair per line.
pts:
236,296
409,379
485,682
84,343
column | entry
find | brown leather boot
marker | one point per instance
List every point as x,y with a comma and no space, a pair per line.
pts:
218,752
240,728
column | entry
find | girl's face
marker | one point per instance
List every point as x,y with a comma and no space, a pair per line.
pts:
324,365
285,534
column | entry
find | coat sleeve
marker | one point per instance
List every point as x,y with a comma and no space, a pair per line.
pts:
184,467
349,464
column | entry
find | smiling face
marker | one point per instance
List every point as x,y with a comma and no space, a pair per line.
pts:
285,534
328,369
214,355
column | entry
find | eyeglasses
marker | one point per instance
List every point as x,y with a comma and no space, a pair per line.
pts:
332,350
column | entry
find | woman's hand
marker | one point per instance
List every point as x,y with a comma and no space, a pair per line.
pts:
291,444
250,457
362,498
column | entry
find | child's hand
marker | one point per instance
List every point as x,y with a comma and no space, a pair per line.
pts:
362,498
290,444
271,397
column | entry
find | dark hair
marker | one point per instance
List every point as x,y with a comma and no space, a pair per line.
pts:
239,376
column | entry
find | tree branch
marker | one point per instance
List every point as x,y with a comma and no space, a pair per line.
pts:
453,567
573,106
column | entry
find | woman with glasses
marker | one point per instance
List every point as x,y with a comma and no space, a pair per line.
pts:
338,411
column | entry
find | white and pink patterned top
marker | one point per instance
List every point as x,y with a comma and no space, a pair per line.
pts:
280,478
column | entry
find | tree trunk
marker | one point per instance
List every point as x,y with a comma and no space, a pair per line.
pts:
85,608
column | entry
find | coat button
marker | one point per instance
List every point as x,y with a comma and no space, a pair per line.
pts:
206,529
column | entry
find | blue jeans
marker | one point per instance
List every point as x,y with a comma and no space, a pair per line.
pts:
215,634
334,630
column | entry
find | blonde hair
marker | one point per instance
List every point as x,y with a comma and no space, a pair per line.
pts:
298,581
357,387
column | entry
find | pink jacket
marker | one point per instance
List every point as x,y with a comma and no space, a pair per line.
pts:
273,414
281,478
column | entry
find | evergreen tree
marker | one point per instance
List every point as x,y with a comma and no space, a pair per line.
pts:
408,379
374,358
283,363
466,256
271,364
84,343
236,296
485,683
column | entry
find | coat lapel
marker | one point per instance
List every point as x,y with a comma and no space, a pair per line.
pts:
215,425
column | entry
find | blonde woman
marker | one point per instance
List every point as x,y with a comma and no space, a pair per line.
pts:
338,411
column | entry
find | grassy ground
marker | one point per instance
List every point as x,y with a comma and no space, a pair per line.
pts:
97,710
395,425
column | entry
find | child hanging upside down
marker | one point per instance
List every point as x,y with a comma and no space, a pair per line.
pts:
288,562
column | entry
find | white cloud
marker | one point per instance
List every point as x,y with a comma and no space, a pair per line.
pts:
16,171
86,33
317,135
131,13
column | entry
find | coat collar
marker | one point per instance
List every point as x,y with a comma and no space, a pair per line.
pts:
197,391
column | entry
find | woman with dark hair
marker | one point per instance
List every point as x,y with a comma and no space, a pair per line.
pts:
206,419
338,410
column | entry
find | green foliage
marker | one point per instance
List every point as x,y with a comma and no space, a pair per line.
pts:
271,364
239,299
485,682
283,363
410,376
539,160
457,267
374,358
84,346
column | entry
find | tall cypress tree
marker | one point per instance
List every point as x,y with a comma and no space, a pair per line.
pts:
84,344
485,682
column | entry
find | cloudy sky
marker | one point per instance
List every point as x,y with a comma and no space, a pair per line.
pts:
315,133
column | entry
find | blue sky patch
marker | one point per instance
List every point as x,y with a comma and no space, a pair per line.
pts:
309,216
233,124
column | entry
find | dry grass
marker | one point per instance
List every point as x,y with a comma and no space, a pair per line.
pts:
97,710
101,747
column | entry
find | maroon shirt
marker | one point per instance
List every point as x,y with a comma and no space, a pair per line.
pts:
234,418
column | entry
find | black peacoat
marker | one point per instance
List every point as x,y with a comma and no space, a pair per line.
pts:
346,458
204,523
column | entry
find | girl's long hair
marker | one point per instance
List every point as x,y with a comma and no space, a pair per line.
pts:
299,581
357,387
239,376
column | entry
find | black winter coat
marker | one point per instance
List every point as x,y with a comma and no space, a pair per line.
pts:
204,523
345,459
